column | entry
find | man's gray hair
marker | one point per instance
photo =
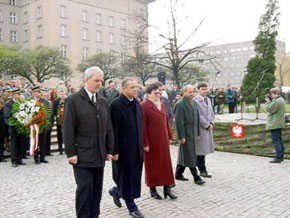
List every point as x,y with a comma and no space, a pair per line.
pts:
187,87
275,90
126,80
91,71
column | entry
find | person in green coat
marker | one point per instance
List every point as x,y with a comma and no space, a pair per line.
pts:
187,126
275,106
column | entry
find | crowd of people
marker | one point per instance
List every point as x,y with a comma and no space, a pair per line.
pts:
129,127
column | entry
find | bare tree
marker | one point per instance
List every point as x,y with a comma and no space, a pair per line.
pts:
173,55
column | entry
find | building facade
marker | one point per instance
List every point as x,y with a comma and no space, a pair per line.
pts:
78,28
230,63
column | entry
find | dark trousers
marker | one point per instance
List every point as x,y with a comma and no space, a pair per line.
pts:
2,148
180,170
25,145
131,205
48,141
16,147
231,107
89,191
59,139
277,141
41,150
201,163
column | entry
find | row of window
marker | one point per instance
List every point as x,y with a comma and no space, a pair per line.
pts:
85,35
13,16
85,52
232,50
63,14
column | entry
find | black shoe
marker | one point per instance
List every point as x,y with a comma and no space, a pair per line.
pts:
43,161
199,182
37,161
181,178
25,158
116,198
168,192
49,154
276,160
136,214
154,194
21,163
61,152
14,164
205,174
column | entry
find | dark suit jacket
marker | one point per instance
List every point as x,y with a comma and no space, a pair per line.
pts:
87,129
7,110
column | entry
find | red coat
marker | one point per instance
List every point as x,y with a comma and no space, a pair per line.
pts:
156,135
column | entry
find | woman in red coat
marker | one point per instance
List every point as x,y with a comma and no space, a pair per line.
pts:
156,140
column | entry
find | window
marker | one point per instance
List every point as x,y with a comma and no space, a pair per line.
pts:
138,26
63,30
63,50
99,36
99,19
13,18
111,21
62,11
85,16
85,34
13,36
112,38
123,40
232,50
26,36
85,53
1,16
39,12
25,17
39,31
12,2
123,24
1,35
245,49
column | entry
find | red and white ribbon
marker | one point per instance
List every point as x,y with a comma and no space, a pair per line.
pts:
34,132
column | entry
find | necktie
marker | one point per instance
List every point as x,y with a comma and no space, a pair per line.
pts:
93,99
205,99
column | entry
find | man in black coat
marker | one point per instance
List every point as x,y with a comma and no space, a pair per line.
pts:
16,139
89,141
127,170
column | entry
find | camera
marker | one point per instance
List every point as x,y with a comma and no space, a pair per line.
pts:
268,96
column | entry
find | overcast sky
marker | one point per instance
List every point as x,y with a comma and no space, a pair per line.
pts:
225,21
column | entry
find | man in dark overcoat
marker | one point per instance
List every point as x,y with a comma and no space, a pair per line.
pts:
187,126
15,138
127,170
89,141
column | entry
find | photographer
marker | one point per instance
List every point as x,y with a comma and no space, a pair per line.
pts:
275,106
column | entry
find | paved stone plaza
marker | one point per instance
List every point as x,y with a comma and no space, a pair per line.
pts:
242,186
